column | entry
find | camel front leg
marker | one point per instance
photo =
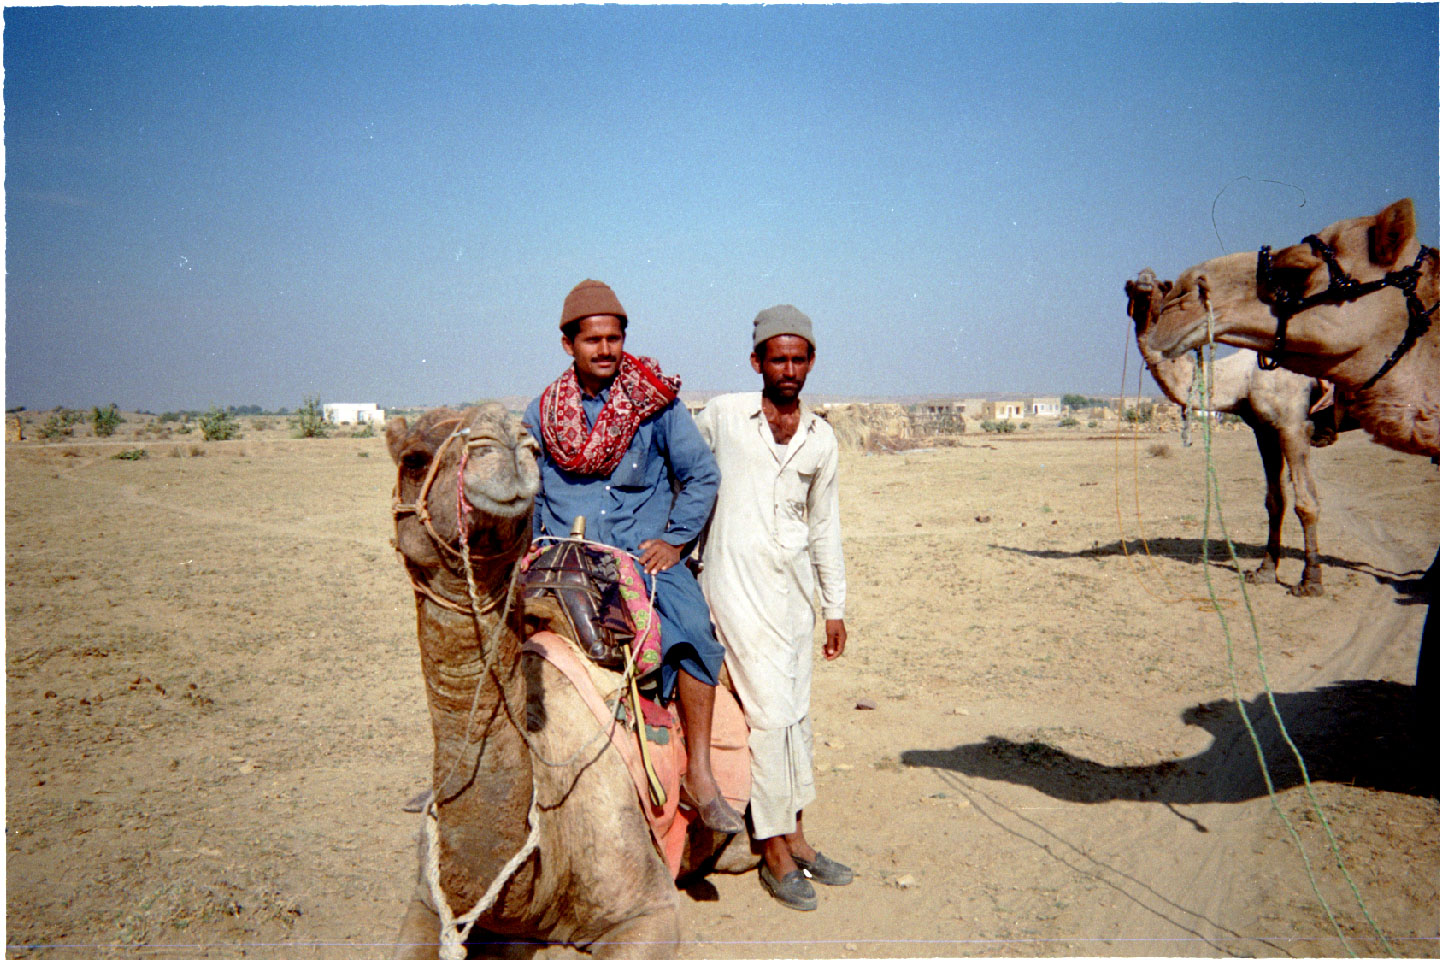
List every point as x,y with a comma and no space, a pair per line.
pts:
651,936
1273,460
1307,509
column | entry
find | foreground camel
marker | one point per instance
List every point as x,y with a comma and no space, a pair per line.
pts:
1273,403
1354,304
594,878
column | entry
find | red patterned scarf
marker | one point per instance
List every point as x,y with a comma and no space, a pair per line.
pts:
638,391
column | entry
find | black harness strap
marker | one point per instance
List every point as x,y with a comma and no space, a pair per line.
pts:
1284,303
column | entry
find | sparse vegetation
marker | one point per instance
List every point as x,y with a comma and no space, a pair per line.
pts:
219,425
309,419
1077,402
1143,413
104,420
998,426
136,454
54,428
366,431
1158,450
1069,422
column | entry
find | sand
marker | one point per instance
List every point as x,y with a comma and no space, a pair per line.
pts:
214,709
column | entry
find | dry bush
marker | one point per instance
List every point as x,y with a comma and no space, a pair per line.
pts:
1158,450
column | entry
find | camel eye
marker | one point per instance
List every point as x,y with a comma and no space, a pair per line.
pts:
416,460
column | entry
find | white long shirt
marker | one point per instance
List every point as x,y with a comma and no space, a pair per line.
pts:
774,535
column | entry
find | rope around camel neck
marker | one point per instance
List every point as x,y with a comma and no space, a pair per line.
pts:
454,930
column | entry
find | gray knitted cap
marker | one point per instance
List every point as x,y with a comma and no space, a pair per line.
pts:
782,319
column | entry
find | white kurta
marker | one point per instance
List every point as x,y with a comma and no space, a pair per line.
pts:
775,534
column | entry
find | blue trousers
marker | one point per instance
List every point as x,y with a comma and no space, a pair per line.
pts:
687,640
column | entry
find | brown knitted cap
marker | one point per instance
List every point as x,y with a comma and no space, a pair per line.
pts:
590,298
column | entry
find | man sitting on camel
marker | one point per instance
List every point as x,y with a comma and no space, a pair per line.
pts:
613,436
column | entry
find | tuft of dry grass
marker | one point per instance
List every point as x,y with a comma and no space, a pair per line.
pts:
1158,450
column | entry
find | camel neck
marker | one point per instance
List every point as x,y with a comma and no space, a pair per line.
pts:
1174,376
482,774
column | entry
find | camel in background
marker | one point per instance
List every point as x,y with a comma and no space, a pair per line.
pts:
1273,403
1353,303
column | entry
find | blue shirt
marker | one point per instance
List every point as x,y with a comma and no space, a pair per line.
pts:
663,488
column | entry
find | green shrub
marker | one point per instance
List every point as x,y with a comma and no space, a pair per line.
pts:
104,422
998,426
1069,422
309,419
1139,414
136,454
366,431
219,425
168,417
54,428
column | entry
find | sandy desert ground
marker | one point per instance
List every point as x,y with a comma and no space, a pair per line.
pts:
214,710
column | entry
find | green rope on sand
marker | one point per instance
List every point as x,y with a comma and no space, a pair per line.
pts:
1212,492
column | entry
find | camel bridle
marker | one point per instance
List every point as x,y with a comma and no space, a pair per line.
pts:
420,508
1286,302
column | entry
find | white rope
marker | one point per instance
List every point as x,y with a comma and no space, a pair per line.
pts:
454,930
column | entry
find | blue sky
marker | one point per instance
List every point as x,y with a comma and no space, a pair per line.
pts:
239,205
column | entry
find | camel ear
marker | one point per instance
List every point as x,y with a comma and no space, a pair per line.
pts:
395,433
1130,299
1394,228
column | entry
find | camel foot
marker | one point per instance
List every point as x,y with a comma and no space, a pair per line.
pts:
1307,588
1265,573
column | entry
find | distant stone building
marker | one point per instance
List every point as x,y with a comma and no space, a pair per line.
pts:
347,413
1044,406
1003,410
937,417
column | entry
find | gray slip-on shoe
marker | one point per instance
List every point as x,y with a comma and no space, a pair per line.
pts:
793,889
824,870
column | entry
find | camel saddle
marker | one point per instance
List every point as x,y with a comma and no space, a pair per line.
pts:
594,593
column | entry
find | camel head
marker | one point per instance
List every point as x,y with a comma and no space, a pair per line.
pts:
1145,295
1328,334
497,489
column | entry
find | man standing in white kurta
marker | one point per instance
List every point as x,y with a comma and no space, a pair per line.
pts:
774,534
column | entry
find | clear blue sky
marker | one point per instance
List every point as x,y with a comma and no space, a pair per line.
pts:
250,205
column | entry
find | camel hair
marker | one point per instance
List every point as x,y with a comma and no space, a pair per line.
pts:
523,777
1275,404
1354,303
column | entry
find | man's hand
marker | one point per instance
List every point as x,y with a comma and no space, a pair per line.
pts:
834,638
657,555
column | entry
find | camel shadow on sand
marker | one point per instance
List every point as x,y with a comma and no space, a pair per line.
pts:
1361,732
1192,550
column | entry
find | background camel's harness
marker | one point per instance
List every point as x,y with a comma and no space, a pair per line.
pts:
1285,302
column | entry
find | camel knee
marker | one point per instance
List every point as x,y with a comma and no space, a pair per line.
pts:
653,936
419,937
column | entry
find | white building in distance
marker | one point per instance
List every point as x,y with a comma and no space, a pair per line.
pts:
344,413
